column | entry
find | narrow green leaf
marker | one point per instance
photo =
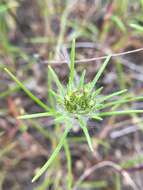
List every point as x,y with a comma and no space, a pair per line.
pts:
112,95
85,130
34,98
122,112
53,156
97,92
96,117
122,101
57,81
119,23
141,2
81,81
72,62
37,115
57,96
99,73
61,118
137,27
69,165
49,86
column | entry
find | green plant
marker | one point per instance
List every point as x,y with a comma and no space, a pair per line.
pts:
76,103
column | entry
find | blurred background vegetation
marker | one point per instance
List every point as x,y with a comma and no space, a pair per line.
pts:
32,33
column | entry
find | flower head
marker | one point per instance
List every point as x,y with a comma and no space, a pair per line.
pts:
79,101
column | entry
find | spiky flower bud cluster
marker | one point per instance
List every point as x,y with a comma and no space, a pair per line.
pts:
79,101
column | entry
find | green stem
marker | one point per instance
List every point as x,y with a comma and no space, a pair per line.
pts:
124,112
53,156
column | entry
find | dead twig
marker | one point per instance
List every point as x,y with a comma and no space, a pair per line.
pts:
113,165
94,58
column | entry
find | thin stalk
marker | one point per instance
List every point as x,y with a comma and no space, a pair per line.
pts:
53,156
124,112
34,98
69,165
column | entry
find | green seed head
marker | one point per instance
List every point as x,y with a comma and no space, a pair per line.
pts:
78,101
